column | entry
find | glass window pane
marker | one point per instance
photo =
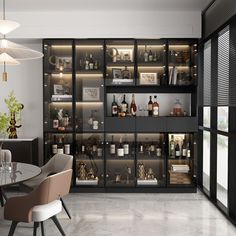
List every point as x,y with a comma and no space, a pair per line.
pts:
207,117
206,160
223,118
222,169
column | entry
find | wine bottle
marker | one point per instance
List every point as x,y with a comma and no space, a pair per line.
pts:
177,150
120,149
114,107
133,107
126,147
188,150
150,103
150,55
155,107
184,149
86,62
54,145
145,55
141,148
158,149
91,64
124,105
172,147
112,146
152,147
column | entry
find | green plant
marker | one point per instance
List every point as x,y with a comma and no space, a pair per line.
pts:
14,107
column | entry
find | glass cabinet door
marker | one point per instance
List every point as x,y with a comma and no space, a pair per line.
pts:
120,159
182,63
180,159
120,62
151,62
89,159
58,94
150,160
89,86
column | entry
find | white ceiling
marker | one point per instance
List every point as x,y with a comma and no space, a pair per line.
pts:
122,5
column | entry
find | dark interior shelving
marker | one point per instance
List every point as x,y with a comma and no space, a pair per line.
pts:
80,78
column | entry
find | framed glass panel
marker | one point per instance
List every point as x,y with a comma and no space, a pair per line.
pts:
222,169
223,118
207,117
206,160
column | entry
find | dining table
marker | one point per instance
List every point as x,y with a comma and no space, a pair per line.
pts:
16,173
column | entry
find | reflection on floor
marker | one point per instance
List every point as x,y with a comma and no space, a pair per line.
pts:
135,215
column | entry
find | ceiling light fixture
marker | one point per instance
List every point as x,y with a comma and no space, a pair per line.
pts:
11,52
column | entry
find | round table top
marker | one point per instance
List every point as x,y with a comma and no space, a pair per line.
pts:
19,172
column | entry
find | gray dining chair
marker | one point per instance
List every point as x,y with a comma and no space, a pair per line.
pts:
6,156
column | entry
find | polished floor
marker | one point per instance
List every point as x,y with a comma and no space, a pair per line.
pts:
135,215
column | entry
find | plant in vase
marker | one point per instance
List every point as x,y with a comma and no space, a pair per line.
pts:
8,123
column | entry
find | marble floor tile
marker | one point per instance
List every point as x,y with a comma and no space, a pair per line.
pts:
126,214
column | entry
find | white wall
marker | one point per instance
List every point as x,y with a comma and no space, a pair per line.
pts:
92,24
26,81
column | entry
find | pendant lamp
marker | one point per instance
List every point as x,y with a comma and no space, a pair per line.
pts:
11,53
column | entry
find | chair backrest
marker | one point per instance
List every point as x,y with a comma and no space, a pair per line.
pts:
58,163
53,187
6,154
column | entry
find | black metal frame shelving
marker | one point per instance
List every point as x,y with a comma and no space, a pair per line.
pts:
133,125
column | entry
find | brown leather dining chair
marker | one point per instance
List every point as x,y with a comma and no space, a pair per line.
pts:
41,204
56,164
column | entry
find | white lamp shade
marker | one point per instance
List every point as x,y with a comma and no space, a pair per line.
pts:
18,51
7,60
6,26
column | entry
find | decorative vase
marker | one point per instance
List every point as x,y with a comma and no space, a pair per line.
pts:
12,127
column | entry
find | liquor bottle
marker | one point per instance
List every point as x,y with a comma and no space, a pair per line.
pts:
120,149
150,55
99,150
150,103
126,147
54,145
152,147
67,149
114,107
155,57
82,148
60,148
141,148
124,105
125,73
86,62
155,107
145,55
177,150
112,146
188,150
184,149
172,147
133,107
158,149
91,64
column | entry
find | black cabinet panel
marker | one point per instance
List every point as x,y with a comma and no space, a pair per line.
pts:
119,124
151,124
181,124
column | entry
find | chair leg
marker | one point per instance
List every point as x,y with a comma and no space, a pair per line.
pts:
55,220
13,227
36,225
1,197
4,194
64,206
42,229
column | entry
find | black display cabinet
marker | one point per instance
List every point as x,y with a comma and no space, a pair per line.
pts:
122,152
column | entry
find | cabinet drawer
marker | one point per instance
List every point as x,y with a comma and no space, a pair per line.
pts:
120,124
151,124
182,124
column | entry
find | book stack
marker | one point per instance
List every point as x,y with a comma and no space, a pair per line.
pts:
64,97
180,168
